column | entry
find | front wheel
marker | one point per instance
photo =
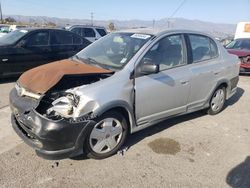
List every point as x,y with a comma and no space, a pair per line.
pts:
217,101
107,136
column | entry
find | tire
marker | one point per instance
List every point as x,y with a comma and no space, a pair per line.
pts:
217,101
106,136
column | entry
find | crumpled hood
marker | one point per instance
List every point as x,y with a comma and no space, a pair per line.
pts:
239,52
40,79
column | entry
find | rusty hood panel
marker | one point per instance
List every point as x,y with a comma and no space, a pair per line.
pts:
40,79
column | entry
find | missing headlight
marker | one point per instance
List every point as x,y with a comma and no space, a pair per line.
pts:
64,106
58,105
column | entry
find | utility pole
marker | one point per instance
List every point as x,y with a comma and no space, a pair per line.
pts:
92,18
1,14
153,23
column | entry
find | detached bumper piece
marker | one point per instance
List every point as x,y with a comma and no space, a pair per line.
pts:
51,139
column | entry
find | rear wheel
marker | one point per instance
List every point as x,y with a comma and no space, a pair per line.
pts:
107,136
217,101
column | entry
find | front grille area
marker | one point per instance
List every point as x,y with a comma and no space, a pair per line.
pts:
25,130
20,122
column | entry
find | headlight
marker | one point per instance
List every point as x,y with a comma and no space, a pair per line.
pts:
23,92
64,106
245,59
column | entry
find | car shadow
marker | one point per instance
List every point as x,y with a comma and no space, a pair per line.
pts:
155,129
245,74
8,80
139,136
239,176
235,98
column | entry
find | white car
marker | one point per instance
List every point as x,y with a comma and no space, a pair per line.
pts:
2,34
92,33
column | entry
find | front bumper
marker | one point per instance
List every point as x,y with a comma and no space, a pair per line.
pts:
51,139
245,68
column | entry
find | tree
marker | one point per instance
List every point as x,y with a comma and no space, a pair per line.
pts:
111,27
10,20
51,24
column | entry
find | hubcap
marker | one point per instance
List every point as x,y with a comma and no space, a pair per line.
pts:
106,135
218,100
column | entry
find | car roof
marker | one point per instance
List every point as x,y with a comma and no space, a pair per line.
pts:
242,39
159,32
42,29
89,26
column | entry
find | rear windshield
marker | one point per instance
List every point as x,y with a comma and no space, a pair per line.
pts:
239,44
102,32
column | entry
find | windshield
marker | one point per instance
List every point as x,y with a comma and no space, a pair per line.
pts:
114,50
239,44
12,37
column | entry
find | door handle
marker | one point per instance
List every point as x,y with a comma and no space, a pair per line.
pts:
216,72
183,82
5,60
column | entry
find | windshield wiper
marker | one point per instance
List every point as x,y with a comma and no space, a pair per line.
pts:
100,65
92,61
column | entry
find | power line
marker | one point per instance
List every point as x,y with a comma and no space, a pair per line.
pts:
175,11
178,8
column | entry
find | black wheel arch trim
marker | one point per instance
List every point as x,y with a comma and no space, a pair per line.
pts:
219,83
118,104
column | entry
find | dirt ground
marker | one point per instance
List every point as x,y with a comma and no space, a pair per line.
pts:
195,150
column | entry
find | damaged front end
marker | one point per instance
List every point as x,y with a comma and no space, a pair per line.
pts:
245,64
54,122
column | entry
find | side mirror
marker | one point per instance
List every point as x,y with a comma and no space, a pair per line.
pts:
146,69
22,44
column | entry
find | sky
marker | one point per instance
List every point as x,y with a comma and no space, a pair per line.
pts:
218,11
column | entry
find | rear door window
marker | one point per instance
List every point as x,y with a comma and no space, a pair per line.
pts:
88,32
203,48
62,38
214,49
102,32
77,31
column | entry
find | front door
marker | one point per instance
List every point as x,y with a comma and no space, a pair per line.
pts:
35,51
166,93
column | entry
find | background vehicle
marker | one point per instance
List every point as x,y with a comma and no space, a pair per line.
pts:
15,27
242,30
120,84
92,33
241,48
21,50
4,29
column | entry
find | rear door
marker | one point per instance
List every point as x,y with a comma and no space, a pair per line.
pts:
89,34
79,43
205,68
165,93
62,44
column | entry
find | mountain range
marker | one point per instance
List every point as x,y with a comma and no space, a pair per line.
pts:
219,30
